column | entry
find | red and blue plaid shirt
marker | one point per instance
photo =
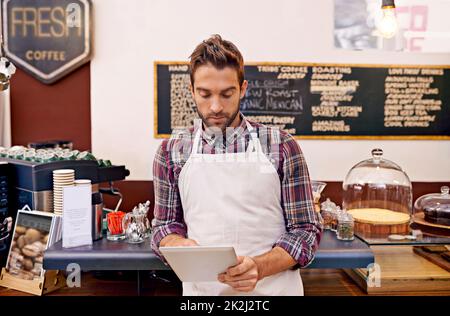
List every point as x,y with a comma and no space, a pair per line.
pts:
303,228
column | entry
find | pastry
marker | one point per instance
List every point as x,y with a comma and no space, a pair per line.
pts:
21,242
20,230
32,235
32,251
28,264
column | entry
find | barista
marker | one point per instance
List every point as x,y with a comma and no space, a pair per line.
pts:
231,180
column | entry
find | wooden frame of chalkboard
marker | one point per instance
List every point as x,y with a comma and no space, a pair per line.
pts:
323,100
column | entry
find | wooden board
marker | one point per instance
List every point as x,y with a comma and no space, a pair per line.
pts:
52,281
436,258
380,230
401,269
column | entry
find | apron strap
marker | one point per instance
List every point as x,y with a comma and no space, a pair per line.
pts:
196,142
254,144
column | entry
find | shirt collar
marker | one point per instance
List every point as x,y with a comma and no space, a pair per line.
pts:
231,134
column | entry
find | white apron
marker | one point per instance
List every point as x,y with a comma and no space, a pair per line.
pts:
234,199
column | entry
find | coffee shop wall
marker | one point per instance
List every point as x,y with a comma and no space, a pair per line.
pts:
129,38
42,112
43,45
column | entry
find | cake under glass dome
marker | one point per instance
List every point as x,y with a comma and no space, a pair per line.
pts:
378,194
432,213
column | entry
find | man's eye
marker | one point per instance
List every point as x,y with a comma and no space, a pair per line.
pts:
205,96
227,96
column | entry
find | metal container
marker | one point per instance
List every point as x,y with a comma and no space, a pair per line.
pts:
97,216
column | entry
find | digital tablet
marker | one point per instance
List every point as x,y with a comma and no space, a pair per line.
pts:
199,263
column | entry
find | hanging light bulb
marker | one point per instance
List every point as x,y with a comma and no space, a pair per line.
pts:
388,24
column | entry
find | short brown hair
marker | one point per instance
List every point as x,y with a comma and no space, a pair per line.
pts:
219,53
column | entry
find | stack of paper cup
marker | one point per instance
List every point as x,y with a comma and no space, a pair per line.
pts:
82,182
61,178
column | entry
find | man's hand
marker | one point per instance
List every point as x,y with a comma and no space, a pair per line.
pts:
174,240
243,276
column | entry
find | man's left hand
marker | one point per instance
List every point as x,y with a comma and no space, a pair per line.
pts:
243,276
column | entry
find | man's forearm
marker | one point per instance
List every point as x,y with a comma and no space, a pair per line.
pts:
274,261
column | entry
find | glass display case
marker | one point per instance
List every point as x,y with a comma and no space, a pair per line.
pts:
378,194
432,213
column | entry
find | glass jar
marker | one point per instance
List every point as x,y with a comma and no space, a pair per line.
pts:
335,218
317,188
345,227
327,208
115,226
434,207
135,227
378,194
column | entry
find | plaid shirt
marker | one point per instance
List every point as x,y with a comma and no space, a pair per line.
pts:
303,229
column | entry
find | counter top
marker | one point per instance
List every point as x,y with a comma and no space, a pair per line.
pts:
110,255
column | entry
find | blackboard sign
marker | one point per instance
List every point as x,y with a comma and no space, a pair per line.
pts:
325,101
47,38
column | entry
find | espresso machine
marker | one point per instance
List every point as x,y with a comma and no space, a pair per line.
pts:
4,229
31,183
4,189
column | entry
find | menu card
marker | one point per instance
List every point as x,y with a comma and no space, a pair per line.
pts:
77,216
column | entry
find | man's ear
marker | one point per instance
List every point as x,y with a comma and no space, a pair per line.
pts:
192,89
243,88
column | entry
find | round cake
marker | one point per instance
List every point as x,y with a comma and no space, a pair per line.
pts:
379,222
379,216
438,215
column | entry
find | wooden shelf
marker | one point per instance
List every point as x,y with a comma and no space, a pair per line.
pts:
399,268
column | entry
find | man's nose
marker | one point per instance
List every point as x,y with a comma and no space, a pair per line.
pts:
216,107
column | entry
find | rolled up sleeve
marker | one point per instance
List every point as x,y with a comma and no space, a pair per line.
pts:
303,227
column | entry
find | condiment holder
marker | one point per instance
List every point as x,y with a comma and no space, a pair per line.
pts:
136,224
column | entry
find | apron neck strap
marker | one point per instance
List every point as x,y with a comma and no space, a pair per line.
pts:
196,142
253,144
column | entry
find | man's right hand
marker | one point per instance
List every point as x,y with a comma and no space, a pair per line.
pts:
174,240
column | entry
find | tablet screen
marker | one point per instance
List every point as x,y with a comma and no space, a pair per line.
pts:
199,263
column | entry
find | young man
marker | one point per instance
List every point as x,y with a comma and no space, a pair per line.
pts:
251,189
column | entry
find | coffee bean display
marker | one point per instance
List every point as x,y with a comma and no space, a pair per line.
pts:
27,250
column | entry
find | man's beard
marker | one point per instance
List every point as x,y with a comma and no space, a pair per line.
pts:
222,127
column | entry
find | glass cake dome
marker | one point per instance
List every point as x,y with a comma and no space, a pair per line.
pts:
434,207
378,194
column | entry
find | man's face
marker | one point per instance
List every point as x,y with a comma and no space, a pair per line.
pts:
217,95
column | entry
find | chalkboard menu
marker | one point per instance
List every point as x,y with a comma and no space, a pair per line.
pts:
326,101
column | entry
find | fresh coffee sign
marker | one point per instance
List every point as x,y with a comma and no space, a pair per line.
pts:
47,38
